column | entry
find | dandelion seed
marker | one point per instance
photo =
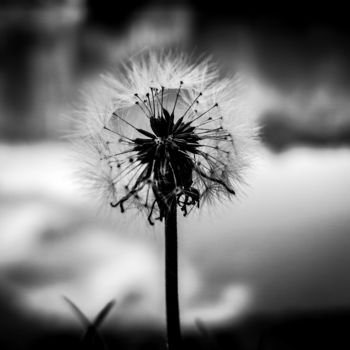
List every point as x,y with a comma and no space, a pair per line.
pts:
180,143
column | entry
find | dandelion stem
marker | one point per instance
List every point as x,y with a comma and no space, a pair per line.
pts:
171,279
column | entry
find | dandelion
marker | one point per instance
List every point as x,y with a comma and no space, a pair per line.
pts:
165,134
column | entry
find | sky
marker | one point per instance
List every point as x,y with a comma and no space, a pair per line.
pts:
282,245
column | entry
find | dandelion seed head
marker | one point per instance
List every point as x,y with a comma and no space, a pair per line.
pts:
163,130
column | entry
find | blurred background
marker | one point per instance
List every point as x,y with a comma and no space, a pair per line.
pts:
268,271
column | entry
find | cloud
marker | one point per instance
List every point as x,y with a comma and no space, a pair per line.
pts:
285,245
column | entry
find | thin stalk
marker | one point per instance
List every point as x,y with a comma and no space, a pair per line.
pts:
171,279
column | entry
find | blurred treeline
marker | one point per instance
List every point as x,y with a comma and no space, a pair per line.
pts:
296,55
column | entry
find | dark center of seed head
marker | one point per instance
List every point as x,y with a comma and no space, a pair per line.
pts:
162,140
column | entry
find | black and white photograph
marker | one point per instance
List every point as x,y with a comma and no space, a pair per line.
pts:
174,175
